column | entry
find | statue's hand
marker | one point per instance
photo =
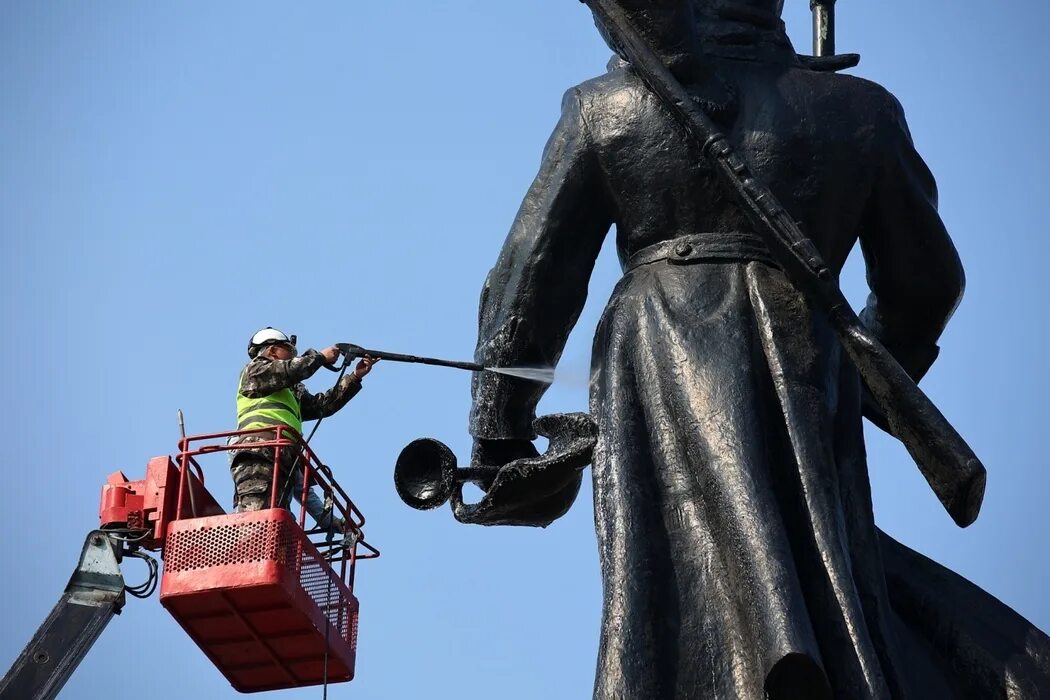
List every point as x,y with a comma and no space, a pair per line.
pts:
521,486
525,488
496,453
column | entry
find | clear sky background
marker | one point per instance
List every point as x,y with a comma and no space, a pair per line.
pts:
174,176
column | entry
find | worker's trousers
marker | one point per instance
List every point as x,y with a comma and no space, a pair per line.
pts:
252,472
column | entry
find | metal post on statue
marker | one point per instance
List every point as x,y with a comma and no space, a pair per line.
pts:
823,27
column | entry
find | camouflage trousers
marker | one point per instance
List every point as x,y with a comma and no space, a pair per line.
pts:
252,472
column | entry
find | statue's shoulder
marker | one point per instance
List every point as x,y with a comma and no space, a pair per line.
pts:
618,96
864,98
617,86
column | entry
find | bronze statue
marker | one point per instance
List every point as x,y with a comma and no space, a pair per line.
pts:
739,553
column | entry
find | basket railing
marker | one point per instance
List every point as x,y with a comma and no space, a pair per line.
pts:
345,548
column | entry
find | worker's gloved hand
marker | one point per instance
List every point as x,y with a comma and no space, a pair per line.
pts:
364,366
330,354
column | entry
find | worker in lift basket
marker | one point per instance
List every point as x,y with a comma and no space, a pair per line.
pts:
271,393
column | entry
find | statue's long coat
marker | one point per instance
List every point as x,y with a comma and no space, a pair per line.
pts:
738,549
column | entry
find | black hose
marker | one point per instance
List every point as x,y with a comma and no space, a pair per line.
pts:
291,472
145,589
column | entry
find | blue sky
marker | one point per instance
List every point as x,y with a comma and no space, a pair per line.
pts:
174,176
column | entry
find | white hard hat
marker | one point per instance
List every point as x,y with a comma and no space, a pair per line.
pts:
268,336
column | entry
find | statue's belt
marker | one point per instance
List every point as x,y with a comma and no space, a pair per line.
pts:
701,247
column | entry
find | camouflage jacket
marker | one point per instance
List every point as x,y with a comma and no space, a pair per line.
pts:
264,376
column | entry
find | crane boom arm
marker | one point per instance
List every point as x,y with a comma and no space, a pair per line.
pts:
94,594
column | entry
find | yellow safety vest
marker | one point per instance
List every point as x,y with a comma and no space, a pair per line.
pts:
279,408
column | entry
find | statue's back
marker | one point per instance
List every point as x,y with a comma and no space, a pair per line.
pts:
820,140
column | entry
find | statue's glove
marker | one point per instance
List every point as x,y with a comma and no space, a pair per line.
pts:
497,453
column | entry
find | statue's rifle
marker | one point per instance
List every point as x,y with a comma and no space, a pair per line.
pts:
949,465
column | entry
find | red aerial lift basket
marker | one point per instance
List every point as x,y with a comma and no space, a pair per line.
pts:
268,601
259,600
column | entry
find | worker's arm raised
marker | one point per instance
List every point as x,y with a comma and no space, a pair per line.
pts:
314,406
264,376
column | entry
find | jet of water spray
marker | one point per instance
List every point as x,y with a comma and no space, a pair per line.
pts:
544,375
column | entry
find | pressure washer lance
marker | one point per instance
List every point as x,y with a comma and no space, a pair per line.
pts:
544,375
351,352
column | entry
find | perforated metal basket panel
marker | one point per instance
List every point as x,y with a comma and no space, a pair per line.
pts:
224,545
323,587
236,540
